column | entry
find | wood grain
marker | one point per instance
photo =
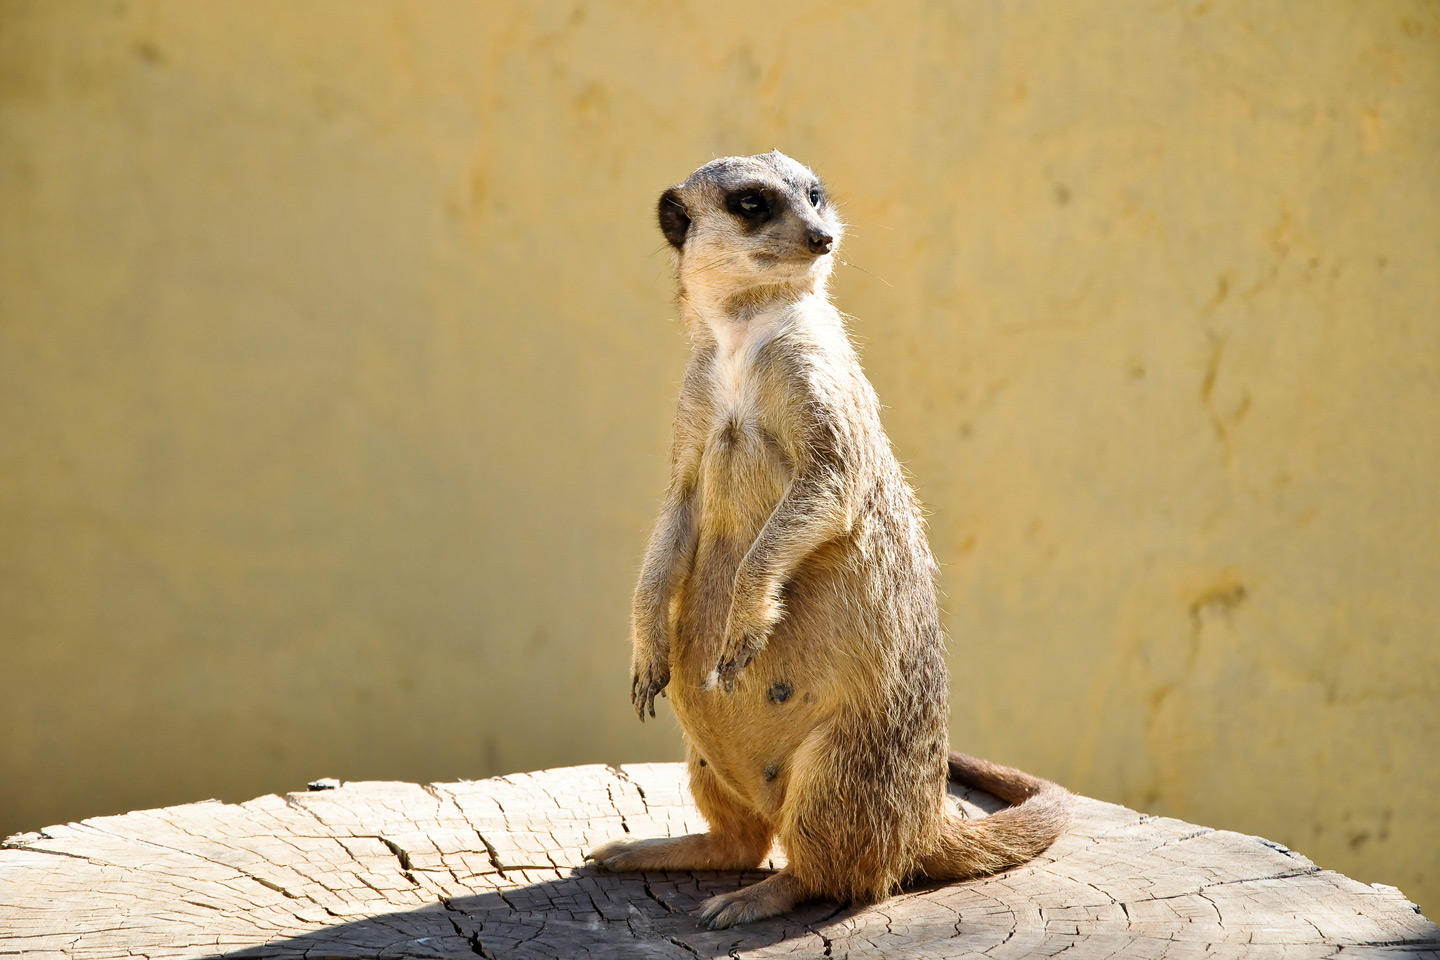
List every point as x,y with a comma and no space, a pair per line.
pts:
492,868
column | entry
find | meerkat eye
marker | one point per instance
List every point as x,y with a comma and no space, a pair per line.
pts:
815,196
750,205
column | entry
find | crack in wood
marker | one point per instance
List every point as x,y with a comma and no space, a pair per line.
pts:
406,869
645,885
611,795
263,881
54,853
617,771
683,945
293,802
491,852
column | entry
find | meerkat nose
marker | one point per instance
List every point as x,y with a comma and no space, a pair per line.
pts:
819,241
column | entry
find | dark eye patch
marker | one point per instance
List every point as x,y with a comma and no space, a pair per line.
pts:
816,196
752,205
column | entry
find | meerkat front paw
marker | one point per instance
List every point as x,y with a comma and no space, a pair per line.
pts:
648,676
747,629
736,655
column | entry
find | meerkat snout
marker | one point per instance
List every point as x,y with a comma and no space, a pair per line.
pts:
819,241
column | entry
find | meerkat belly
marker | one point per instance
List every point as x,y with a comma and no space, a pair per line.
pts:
749,735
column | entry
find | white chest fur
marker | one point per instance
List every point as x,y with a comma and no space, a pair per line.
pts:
734,374
738,344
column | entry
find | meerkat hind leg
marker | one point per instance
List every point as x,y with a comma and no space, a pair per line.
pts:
738,839
695,851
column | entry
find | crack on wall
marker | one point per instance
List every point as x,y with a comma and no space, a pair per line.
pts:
1214,606
1213,359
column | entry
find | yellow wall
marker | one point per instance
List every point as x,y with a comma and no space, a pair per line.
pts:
336,365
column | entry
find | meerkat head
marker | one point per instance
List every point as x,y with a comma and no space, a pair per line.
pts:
750,229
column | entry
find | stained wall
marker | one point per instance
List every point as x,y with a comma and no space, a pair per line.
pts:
337,356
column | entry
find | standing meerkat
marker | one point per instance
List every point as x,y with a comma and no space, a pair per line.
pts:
787,597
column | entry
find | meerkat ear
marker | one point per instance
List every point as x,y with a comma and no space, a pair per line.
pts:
674,221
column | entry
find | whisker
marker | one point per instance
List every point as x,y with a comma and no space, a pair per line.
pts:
866,272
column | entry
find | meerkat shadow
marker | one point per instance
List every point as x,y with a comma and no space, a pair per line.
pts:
587,913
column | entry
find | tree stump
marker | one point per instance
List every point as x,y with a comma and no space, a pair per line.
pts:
493,868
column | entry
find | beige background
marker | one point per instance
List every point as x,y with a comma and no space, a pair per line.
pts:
337,358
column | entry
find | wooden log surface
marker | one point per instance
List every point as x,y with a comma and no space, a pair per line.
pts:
492,868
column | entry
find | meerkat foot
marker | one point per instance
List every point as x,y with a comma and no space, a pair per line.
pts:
771,896
696,851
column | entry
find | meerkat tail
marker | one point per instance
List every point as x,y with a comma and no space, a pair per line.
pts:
1006,783
971,848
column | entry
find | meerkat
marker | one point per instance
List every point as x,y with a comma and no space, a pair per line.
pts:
787,599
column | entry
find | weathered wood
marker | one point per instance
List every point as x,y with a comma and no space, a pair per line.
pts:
493,868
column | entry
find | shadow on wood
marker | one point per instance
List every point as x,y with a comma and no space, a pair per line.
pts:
493,868
584,915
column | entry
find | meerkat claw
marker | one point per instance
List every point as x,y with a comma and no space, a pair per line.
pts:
644,685
725,675
726,671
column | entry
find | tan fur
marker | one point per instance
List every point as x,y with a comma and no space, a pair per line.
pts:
787,599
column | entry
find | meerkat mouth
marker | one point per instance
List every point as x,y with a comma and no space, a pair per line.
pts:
792,265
